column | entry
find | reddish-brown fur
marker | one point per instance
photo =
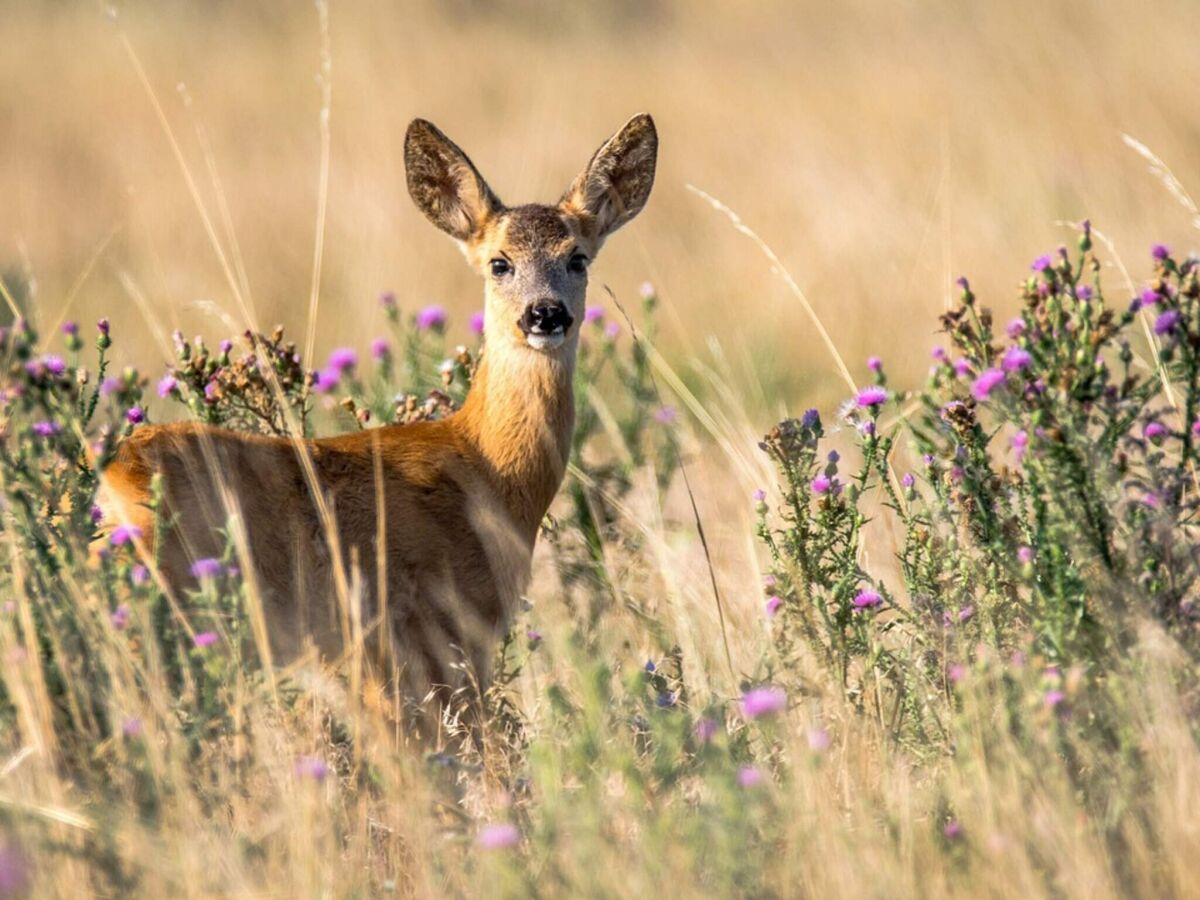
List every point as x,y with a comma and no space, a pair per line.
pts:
462,498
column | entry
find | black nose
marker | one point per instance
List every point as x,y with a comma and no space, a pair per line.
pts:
545,317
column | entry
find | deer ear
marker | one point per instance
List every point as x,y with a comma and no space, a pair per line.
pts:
616,183
444,183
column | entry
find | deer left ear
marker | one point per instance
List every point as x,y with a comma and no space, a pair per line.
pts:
616,184
445,184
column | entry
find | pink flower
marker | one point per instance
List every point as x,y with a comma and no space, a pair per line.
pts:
749,776
167,385
207,568
818,740
986,383
431,318
874,363
312,767
665,415
705,730
772,605
343,359
593,314
205,639
763,701
1016,358
612,330
867,599
120,617
124,534
1015,328
134,415
872,397
1155,431
475,323
820,485
498,836
380,349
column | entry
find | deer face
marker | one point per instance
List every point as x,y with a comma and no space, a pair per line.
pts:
534,258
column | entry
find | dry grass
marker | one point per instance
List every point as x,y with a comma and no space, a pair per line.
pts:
930,141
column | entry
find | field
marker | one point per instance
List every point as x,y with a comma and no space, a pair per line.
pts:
816,613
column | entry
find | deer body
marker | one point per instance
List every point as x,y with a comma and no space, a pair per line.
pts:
435,522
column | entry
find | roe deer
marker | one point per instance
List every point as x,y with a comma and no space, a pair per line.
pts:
462,497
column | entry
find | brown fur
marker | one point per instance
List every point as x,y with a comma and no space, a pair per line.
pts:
462,498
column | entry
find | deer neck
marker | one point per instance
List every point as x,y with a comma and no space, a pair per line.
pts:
520,414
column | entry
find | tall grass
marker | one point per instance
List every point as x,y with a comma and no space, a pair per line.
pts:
1008,708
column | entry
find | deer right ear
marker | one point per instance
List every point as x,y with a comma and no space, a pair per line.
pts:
444,183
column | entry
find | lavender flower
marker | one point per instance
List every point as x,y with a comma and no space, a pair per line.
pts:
820,485
475,323
1160,252
871,397
875,364
1042,263
134,415
772,605
1155,432
380,349
811,419
908,480
205,639
167,385
47,428
431,318
1084,292
763,701
1015,328
986,383
593,314
120,617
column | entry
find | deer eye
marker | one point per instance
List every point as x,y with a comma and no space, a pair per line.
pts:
500,267
577,263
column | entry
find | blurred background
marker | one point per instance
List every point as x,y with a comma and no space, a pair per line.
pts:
881,150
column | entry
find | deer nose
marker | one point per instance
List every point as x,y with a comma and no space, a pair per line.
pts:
546,317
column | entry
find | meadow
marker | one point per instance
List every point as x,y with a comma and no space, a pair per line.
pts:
889,590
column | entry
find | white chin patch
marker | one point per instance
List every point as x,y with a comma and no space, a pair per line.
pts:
545,341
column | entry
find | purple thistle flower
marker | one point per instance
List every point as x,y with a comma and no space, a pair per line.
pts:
962,367
70,329
928,459
498,836
109,386
135,415
763,701
871,397
1160,252
705,730
938,354
139,574
818,740
772,605
811,419
1016,358
867,599
593,314
1025,554
343,359
1149,297
612,330
956,673
908,480
650,666
986,383
1135,304
1084,292
205,639
311,767
102,327
665,415
166,385
820,485
833,456
120,617
1042,263
131,728
431,318
1054,698
387,300
475,323
327,380
962,282
965,614
769,581
533,635
1196,428
207,568
874,363
34,369
646,289
380,349
1155,431
1166,322
1015,328
225,346
96,514
47,428
759,495
749,776
952,831
124,534
54,365
1020,441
